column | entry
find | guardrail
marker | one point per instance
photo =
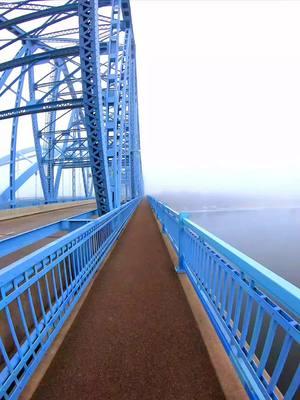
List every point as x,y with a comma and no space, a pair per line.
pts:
254,311
38,293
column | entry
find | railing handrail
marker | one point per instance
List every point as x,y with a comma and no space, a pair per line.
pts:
284,291
287,294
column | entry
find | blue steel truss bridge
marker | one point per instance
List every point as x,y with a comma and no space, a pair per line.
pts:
105,294
68,85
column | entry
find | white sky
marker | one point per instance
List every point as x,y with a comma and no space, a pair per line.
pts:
219,94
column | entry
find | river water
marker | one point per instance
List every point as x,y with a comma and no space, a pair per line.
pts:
270,236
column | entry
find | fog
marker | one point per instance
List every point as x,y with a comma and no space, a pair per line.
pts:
219,99
219,95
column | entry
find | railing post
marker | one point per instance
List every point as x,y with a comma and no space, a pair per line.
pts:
163,217
180,267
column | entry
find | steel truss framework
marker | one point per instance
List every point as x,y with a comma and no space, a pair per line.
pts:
69,79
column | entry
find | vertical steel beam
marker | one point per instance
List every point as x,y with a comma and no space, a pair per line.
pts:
112,97
136,172
35,130
13,144
123,124
92,99
49,136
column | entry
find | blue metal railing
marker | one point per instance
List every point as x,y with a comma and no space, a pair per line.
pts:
255,312
38,293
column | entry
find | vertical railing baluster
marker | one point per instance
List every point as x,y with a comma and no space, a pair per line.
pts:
13,332
41,300
230,301
293,386
215,280
267,347
237,312
224,294
280,363
54,286
181,267
24,322
32,309
246,321
256,332
219,284
212,274
7,360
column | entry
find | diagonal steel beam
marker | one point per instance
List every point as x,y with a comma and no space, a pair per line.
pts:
38,14
45,56
41,107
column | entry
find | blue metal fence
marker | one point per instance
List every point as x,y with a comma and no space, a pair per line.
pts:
38,293
255,312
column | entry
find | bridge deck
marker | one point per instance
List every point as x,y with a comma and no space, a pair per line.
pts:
135,336
25,223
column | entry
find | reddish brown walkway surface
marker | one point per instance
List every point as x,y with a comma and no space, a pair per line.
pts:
135,336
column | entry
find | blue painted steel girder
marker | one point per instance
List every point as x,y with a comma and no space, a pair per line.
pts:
19,182
92,101
45,56
41,107
110,132
38,14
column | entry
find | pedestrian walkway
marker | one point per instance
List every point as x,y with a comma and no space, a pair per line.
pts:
135,336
